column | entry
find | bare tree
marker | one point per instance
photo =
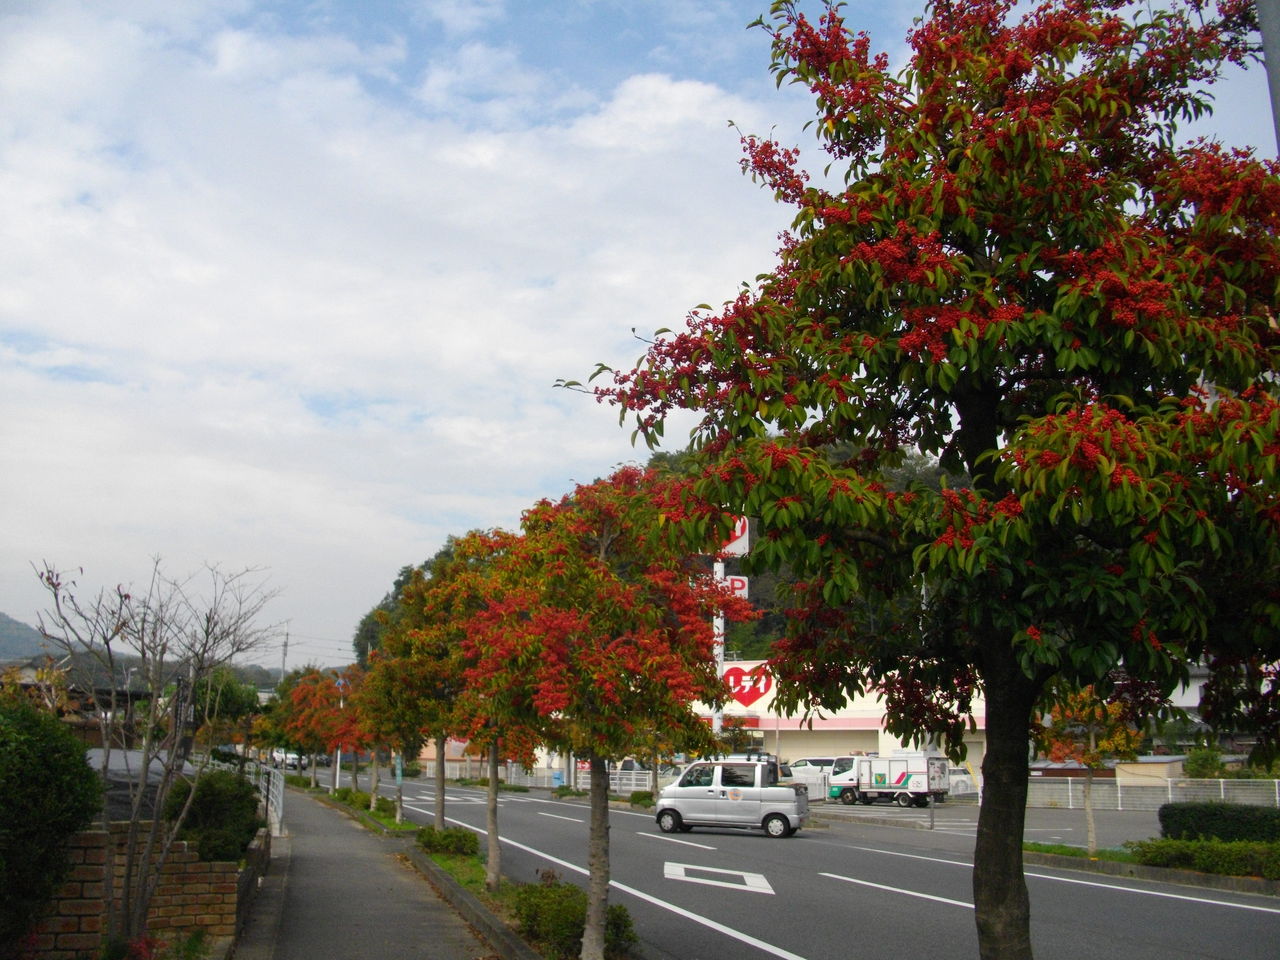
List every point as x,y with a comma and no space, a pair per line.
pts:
140,657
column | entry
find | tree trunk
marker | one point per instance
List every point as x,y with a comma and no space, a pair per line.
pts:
1001,906
597,863
373,779
493,864
337,771
355,770
441,767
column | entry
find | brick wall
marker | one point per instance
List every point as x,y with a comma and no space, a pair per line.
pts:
191,895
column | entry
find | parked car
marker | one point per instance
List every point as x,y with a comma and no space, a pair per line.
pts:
288,759
747,794
813,772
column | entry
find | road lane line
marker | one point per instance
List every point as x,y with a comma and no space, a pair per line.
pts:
687,843
648,898
543,813
1157,893
908,893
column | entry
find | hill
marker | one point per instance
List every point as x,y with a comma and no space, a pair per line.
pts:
18,640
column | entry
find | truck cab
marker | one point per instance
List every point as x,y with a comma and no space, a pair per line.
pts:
741,793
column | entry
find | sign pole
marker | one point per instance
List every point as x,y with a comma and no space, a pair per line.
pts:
717,626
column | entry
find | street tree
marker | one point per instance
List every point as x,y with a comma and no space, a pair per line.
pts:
603,633
1012,265
174,634
224,709
1084,728
422,639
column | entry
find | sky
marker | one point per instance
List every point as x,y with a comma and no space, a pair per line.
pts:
288,285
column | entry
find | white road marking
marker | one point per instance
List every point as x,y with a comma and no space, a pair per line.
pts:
908,893
751,882
543,813
1088,883
687,843
1157,893
648,898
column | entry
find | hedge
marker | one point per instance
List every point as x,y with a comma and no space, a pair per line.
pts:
554,914
1220,821
1238,858
48,793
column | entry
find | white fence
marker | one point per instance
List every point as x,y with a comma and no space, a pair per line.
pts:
621,782
271,786
1110,794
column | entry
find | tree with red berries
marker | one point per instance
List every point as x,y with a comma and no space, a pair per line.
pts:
1014,267
601,633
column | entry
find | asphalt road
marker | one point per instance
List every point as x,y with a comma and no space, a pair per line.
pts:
863,888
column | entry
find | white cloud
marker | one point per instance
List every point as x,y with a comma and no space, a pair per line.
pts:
462,16
261,305
256,313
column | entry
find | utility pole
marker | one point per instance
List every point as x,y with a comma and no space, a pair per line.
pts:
284,656
1269,24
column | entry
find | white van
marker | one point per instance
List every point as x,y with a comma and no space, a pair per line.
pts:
733,793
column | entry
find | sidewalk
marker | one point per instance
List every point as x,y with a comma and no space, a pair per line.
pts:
338,890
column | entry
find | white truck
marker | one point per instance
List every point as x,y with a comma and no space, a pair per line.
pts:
907,778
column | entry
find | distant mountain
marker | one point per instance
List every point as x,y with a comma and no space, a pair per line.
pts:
17,640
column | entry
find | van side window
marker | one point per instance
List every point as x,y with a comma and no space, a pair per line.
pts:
738,775
699,776
841,765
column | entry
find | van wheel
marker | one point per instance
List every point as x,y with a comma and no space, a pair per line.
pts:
775,825
905,800
669,822
848,797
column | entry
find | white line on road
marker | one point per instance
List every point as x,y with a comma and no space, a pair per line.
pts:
751,882
687,843
908,893
1088,883
1157,893
647,898
543,813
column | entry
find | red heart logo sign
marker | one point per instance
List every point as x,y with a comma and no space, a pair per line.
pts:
747,686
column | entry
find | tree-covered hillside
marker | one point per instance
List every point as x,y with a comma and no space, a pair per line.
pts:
18,640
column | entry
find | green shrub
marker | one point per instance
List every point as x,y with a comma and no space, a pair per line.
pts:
642,798
48,793
566,791
352,798
513,787
1220,821
554,913
296,780
1203,763
412,769
457,840
1237,858
223,816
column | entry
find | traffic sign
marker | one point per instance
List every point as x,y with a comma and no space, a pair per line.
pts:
738,544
